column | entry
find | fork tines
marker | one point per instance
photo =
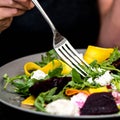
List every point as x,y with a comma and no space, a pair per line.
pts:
71,57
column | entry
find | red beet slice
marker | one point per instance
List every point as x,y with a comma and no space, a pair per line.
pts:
99,104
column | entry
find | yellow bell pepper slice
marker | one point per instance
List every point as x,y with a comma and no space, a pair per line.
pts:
55,64
30,66
28,101
96,90
51,66
66,68
96,53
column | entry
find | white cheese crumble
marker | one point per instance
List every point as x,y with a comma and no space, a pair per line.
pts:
90,80
113,86
38,74
62,107
104,79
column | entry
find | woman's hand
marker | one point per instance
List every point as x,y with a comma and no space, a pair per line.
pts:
12,8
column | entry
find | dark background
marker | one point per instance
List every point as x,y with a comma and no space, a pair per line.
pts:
77,20
7,113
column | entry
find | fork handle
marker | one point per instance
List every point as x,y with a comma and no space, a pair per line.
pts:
37,4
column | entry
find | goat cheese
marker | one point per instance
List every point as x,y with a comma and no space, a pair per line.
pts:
104,79
62,107
38,74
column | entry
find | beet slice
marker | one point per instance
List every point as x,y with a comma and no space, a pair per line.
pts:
99,104
45,85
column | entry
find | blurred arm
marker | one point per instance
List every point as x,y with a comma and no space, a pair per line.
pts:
109,35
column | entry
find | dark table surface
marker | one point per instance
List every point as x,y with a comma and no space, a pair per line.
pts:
7,112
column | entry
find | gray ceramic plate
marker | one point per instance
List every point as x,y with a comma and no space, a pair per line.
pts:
13,100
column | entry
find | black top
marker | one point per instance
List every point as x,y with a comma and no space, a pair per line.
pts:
77,20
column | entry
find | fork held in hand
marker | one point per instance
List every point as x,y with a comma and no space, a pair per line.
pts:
62,46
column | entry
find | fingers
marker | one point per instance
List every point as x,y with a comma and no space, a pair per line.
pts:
12,8
10,12
19,4
5,23
7,12
7,16
25,3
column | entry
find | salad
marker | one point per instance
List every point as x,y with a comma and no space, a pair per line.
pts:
53,87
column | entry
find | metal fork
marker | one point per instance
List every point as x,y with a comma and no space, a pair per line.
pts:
62,46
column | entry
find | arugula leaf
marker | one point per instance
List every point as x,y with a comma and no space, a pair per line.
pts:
56,72
22,83
116,81
43,98
113,57
76,77
47,57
